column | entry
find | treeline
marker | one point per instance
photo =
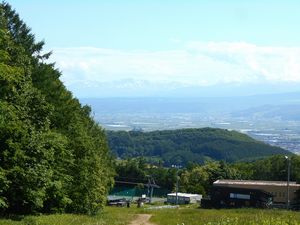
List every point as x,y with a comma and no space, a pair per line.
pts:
138,170
53,156
198,178
189,145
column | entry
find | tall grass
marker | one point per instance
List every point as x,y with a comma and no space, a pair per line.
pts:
110,216
189,215
193,216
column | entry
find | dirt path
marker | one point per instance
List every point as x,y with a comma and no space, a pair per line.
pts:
142,219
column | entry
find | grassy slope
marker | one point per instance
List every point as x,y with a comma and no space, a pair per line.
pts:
187,215
195,216
110,216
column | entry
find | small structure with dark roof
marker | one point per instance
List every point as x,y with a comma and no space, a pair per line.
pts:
277,188
230,197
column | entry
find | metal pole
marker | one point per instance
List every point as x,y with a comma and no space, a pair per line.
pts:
151,194
152,186
288,183
148,189
177,186
288,160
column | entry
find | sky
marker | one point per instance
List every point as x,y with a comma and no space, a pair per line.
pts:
169,48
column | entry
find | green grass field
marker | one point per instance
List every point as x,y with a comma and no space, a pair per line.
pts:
195,216
190,215
110,216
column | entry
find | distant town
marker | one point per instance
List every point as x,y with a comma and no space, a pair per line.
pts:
285,134
269,118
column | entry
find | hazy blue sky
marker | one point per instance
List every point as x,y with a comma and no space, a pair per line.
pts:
152,48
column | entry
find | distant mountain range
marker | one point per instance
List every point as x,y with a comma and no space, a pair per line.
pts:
189,145
129,88
282,112
280,104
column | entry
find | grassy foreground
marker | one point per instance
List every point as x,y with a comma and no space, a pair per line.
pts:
195,216
185,215
110,216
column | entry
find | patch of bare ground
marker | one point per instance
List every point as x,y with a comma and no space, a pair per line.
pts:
142,219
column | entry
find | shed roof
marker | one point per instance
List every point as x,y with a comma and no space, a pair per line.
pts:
188,195
254,182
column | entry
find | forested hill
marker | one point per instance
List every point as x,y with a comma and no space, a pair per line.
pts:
53,156
189,145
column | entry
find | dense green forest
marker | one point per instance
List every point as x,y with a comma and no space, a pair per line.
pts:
189,145
198,178
53,156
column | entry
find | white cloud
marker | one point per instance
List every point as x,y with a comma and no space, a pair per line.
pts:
196,63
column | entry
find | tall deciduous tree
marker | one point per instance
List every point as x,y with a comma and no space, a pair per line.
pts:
53,156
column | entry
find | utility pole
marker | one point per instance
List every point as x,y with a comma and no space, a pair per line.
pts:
288,182
177,186
151,185
177,169
151,192
148,191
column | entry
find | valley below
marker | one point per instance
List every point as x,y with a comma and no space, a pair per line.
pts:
284,134
275,124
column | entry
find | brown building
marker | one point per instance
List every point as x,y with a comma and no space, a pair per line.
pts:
277,188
